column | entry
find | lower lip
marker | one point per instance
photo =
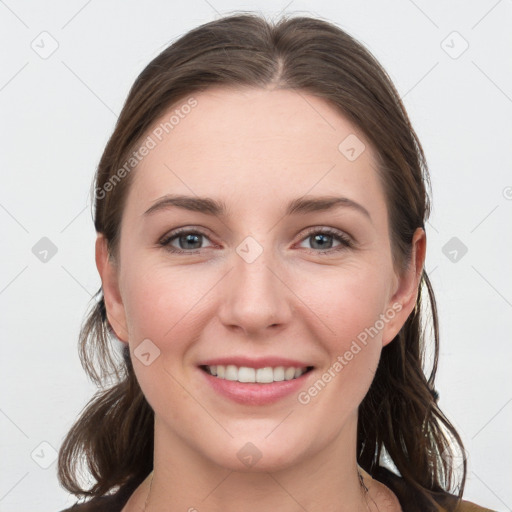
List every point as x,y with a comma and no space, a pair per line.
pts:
253,393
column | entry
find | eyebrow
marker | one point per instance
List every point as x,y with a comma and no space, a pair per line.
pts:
209,206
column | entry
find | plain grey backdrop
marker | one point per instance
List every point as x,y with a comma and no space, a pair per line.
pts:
66,68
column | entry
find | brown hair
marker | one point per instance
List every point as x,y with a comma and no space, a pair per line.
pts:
399,416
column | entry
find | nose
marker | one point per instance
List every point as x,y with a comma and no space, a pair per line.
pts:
256,299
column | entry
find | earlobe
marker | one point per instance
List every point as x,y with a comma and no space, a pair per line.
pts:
110,285
405,294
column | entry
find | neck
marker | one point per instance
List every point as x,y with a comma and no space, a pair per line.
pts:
184,479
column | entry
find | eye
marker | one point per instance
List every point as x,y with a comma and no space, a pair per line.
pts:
188,241
323,239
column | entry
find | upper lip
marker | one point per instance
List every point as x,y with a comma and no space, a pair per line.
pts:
251,362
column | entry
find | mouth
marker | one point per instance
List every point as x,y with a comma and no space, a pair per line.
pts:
247,374
263,383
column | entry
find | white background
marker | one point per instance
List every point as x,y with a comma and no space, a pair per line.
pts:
56,116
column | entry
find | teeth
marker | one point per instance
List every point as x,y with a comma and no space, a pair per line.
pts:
279,373
260,375
289,373
264,375
246,374
231,372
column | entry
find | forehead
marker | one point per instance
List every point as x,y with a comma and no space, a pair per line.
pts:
256,144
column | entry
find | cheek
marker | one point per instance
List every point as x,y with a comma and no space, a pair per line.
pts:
350,306
159,301
163,306
167,306
348,300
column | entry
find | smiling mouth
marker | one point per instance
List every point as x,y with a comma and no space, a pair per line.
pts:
245,374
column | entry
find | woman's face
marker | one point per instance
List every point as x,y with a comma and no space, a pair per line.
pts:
269,279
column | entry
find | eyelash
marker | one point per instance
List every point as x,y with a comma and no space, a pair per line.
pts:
346,242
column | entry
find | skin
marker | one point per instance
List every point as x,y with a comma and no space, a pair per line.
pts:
256,149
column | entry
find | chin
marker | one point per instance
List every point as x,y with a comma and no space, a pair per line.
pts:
256,454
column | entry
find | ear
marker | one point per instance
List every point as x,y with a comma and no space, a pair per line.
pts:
405,289
108,271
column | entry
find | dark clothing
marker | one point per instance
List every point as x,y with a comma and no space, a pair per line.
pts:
410,500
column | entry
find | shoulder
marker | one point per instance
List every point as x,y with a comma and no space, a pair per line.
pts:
100,504
113,502
411,501
467,506
109,503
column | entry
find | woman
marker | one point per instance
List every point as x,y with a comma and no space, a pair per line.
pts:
276,362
